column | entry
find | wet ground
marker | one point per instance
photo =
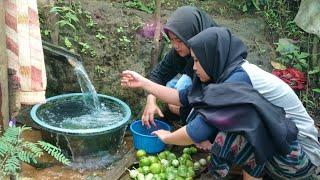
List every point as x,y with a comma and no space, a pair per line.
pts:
48,168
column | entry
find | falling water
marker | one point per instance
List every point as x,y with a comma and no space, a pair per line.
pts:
88,90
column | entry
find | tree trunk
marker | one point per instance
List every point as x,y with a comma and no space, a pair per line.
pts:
156,39
52,20
314,56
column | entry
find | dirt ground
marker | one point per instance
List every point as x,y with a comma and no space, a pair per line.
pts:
49,169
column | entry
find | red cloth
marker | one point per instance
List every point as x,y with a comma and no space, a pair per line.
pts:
291,76
24,51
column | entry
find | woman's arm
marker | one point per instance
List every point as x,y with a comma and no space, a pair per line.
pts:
134,80
178,137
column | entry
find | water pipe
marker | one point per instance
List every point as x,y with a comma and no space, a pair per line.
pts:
60,53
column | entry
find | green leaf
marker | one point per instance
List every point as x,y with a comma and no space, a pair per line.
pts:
90,24
303,55
12,165
314,71
100,36
317,90
55,9
67,43
256,4
298,66
54,151
286,47
72,17
244,8
63,23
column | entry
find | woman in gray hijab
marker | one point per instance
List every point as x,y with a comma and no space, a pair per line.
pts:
183,24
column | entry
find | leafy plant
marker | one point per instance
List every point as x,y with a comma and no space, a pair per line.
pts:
99,70
67,16
14,150
315,72
247,5
137,4
85,47
100,36
46,32
279,17
124,39
67,43
120,29
317,90
73,20
290,55
91,23
93,53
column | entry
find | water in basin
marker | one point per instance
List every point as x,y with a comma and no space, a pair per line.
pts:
87,126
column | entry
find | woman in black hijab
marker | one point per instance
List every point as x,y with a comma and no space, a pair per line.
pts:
223,94
245,112
183,24
229,118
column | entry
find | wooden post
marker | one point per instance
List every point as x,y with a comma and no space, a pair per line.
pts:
4,101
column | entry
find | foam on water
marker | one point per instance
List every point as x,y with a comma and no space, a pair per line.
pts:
83,117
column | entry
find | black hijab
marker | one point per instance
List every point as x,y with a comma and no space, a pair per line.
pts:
220,52
236,107
187,21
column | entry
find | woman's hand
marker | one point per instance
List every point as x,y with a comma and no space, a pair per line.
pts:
150,110
132,79
162,134
179,137
204,145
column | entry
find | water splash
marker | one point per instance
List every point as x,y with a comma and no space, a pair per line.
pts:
69,146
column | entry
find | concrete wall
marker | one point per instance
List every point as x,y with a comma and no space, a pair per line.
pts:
4,113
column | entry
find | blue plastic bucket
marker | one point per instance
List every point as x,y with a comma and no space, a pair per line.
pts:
143,139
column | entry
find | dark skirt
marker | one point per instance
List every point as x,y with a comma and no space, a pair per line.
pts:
232,148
